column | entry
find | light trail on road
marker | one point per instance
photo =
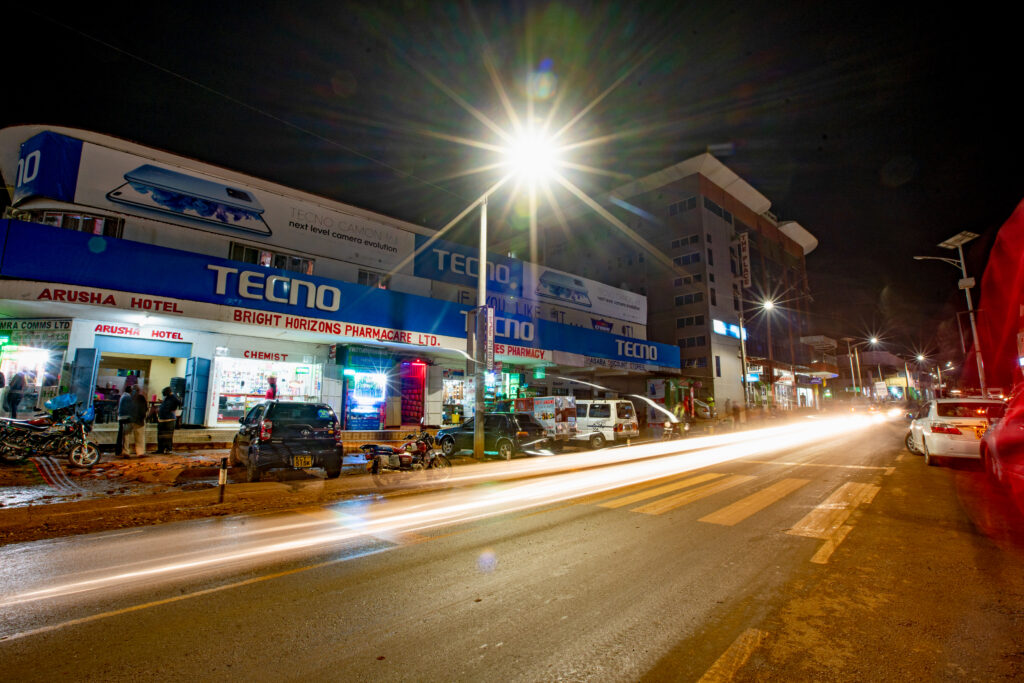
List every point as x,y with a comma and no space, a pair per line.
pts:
534,482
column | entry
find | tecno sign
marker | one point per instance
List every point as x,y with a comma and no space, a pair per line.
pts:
637,350
252,284
470,266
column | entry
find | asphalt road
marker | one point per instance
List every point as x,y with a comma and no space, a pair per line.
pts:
843,558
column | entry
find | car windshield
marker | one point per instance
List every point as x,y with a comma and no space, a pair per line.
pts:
306,413
970,409
528,422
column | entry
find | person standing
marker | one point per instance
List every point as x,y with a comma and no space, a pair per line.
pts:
272,390
140,408
166,418
15,391
124,421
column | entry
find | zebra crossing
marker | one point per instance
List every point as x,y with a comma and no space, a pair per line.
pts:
829,521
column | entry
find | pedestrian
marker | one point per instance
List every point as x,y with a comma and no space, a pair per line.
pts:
124,422
166,418
272,390
15,391
140,409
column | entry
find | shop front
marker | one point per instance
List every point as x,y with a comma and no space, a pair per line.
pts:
36,348
242,371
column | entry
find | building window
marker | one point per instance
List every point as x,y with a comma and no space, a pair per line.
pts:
711,257
371,278
679,207
687,299
708,236
718,366
713,208
689,321
714,299
79,222
687,259
270,259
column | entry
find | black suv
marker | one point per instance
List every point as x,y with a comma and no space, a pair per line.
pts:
504,434
290,434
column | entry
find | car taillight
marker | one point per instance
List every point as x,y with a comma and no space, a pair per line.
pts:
522,434
943,428
266,429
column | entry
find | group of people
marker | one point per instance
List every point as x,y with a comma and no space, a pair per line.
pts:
132,412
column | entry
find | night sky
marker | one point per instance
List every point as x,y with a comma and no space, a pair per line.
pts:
881,129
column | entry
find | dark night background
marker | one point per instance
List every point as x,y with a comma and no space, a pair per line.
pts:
882,129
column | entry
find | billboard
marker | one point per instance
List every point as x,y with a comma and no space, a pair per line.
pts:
194,196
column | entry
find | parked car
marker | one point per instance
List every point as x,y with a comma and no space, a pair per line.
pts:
1002,448
290,434
599,421
504,433
951,427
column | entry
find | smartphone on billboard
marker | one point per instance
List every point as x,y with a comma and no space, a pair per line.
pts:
179,194
562,287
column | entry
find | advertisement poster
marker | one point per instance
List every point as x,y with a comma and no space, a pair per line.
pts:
549,285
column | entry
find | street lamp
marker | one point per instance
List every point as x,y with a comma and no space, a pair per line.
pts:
957,242
532,157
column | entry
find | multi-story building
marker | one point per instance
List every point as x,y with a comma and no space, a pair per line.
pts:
121,261
714,255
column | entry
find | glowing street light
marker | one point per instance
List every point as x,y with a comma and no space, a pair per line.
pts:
532,157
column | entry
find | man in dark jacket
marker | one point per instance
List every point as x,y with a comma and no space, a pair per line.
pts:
15,391
140,409
124,421
166,418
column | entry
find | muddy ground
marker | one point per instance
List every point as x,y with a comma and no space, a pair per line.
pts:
39,501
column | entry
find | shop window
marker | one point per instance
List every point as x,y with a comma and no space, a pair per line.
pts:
270,259
80,222
369,278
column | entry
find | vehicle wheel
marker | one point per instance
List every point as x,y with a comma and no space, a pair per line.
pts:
505,449
333,468
252,472
441,467
448,446
909,441
929,459
597,441
85,455
233,459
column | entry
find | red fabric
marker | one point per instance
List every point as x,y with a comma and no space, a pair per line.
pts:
999,307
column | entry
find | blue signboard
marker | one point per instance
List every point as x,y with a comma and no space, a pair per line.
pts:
48,167
75,258
459,265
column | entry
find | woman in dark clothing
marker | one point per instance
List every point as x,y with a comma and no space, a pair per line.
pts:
166,418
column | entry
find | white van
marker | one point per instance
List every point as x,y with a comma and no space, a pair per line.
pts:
601,420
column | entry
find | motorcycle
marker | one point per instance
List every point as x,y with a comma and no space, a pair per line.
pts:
676,430
417,453
63,432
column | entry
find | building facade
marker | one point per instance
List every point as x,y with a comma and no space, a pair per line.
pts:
714,254
124,261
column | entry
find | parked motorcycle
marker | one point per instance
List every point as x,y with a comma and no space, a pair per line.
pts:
417,453
64,432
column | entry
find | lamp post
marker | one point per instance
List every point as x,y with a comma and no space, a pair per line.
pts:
743,361
957,242
849,355
769,306
530,156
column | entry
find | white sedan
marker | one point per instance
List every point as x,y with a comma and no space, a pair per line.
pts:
952,427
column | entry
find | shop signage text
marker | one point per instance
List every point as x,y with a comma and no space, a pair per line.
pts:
518,351
340,329
252,284
27,325
127,331
637,350
265,355
84,296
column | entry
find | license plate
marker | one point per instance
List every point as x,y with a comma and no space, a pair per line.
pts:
302,461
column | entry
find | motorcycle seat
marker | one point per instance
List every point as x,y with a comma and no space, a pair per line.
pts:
24,424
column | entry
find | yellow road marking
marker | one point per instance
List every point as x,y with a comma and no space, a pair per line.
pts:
741,509
726,666
823,521
680,499
831,543
667,488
